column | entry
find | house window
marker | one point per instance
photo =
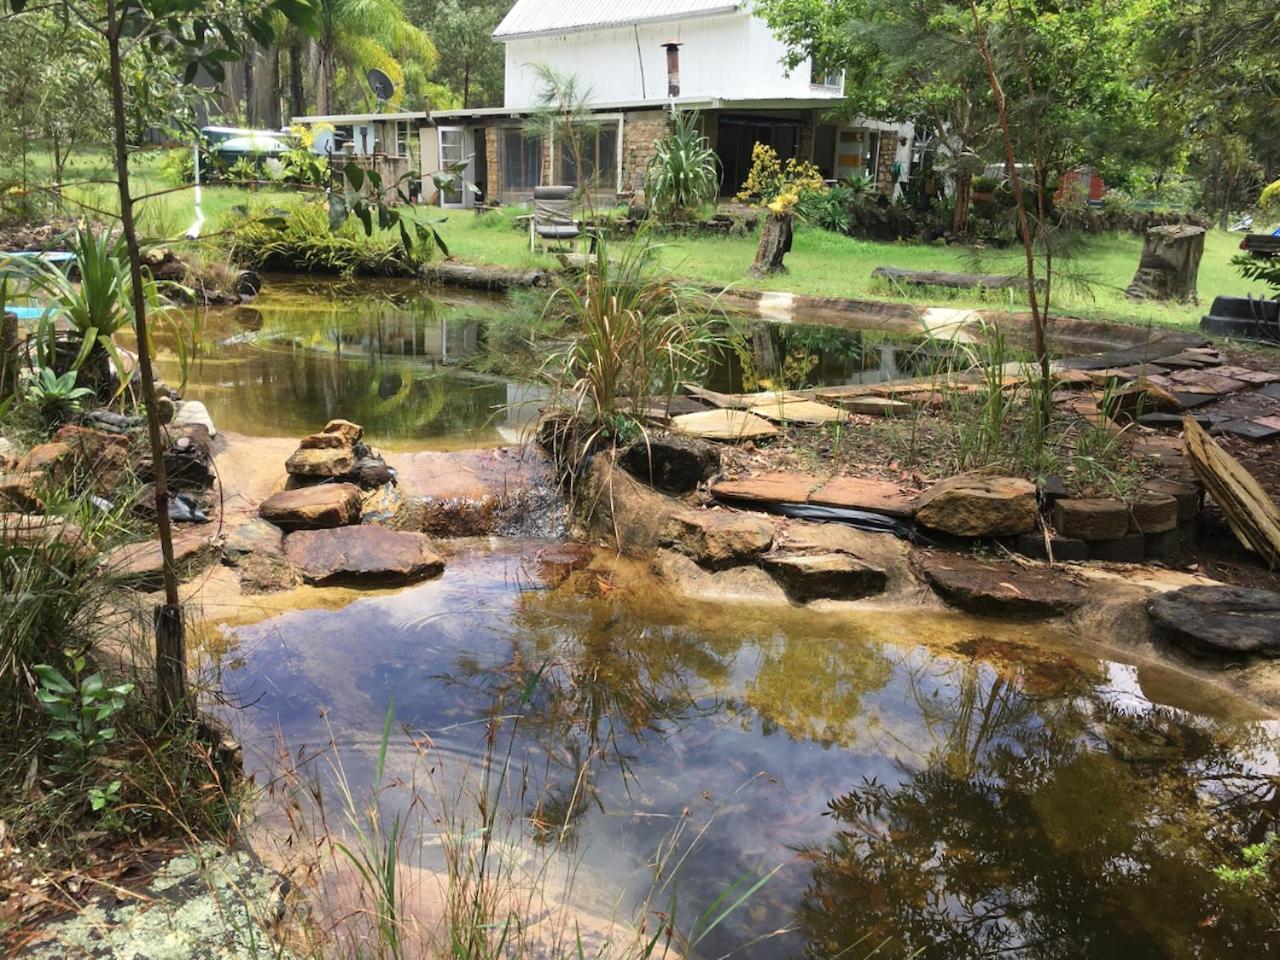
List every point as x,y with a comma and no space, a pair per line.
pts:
521,159
819,77
402,138
597,151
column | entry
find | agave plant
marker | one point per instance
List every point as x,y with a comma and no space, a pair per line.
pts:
96,306
684,172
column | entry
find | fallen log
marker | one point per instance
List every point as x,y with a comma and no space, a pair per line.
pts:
1250,512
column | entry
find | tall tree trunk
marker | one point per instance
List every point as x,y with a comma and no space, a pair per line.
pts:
250,56
964,194
324,79
271,89
297,94
171,665
466,85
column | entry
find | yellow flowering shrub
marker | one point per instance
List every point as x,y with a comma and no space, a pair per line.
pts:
779,185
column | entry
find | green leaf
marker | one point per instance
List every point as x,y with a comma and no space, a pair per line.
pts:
355,176
337,211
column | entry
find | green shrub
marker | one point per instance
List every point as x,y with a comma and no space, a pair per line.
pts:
300,239
684,173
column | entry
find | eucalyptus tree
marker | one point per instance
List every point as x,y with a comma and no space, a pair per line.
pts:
203,36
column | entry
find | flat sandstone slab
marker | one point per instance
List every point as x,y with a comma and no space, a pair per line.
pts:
723,425
853,493
798,411
359,555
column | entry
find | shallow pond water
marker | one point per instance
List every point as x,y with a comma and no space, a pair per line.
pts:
920,781
392,356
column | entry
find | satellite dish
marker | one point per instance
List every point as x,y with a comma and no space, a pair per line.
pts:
382,86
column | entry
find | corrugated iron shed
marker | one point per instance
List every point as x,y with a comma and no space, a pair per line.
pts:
533,17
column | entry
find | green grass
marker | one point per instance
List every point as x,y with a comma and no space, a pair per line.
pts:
830,265
820,264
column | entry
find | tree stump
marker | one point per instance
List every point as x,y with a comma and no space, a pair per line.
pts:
1169,265
775,243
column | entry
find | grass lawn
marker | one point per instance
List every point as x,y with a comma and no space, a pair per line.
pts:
820,264
831,265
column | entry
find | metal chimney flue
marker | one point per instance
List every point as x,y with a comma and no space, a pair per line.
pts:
673,68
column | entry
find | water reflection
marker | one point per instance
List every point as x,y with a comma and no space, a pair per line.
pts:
931,782
1033,827
387,358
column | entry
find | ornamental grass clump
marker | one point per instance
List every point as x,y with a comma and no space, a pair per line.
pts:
684,172
636,336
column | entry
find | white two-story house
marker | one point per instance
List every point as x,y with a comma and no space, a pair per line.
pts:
632,61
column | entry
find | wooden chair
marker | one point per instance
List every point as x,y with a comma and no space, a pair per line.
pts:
553,219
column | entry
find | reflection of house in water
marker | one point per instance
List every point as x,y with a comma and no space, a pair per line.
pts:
407,334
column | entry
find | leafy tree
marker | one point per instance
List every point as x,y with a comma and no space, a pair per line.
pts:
904,60
471,64
1211,65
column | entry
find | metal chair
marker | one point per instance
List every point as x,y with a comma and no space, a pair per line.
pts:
553,218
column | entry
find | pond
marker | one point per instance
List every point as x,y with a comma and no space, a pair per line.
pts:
921,781
397,359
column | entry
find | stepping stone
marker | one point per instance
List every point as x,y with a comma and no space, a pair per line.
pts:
999,589
1190,360
768,488
1190,401
798,411
731,425
1173,421
1219,620
142,564
1200,381
824,576
324,505
1271,390
976,505
362,555
875,496
876,406
27,530
1247,375
1249,429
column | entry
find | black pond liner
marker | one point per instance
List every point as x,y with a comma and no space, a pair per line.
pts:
858,519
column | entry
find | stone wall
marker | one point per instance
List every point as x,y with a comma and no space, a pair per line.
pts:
884,161
639,133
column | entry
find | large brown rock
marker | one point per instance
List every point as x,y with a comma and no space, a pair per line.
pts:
321,463
362,555
311,508
54,461
1220,621
47,533
718,538
824,576
21,492
670,461
142,564
977,505
1091,518
998,588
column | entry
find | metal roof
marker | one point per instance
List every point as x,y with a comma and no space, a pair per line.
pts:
530,18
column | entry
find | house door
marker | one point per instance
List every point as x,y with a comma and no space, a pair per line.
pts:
455,146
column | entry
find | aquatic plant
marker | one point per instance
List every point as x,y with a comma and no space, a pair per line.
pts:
637,335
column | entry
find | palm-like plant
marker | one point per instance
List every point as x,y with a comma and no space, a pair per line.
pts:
95,307
360,34
684,172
